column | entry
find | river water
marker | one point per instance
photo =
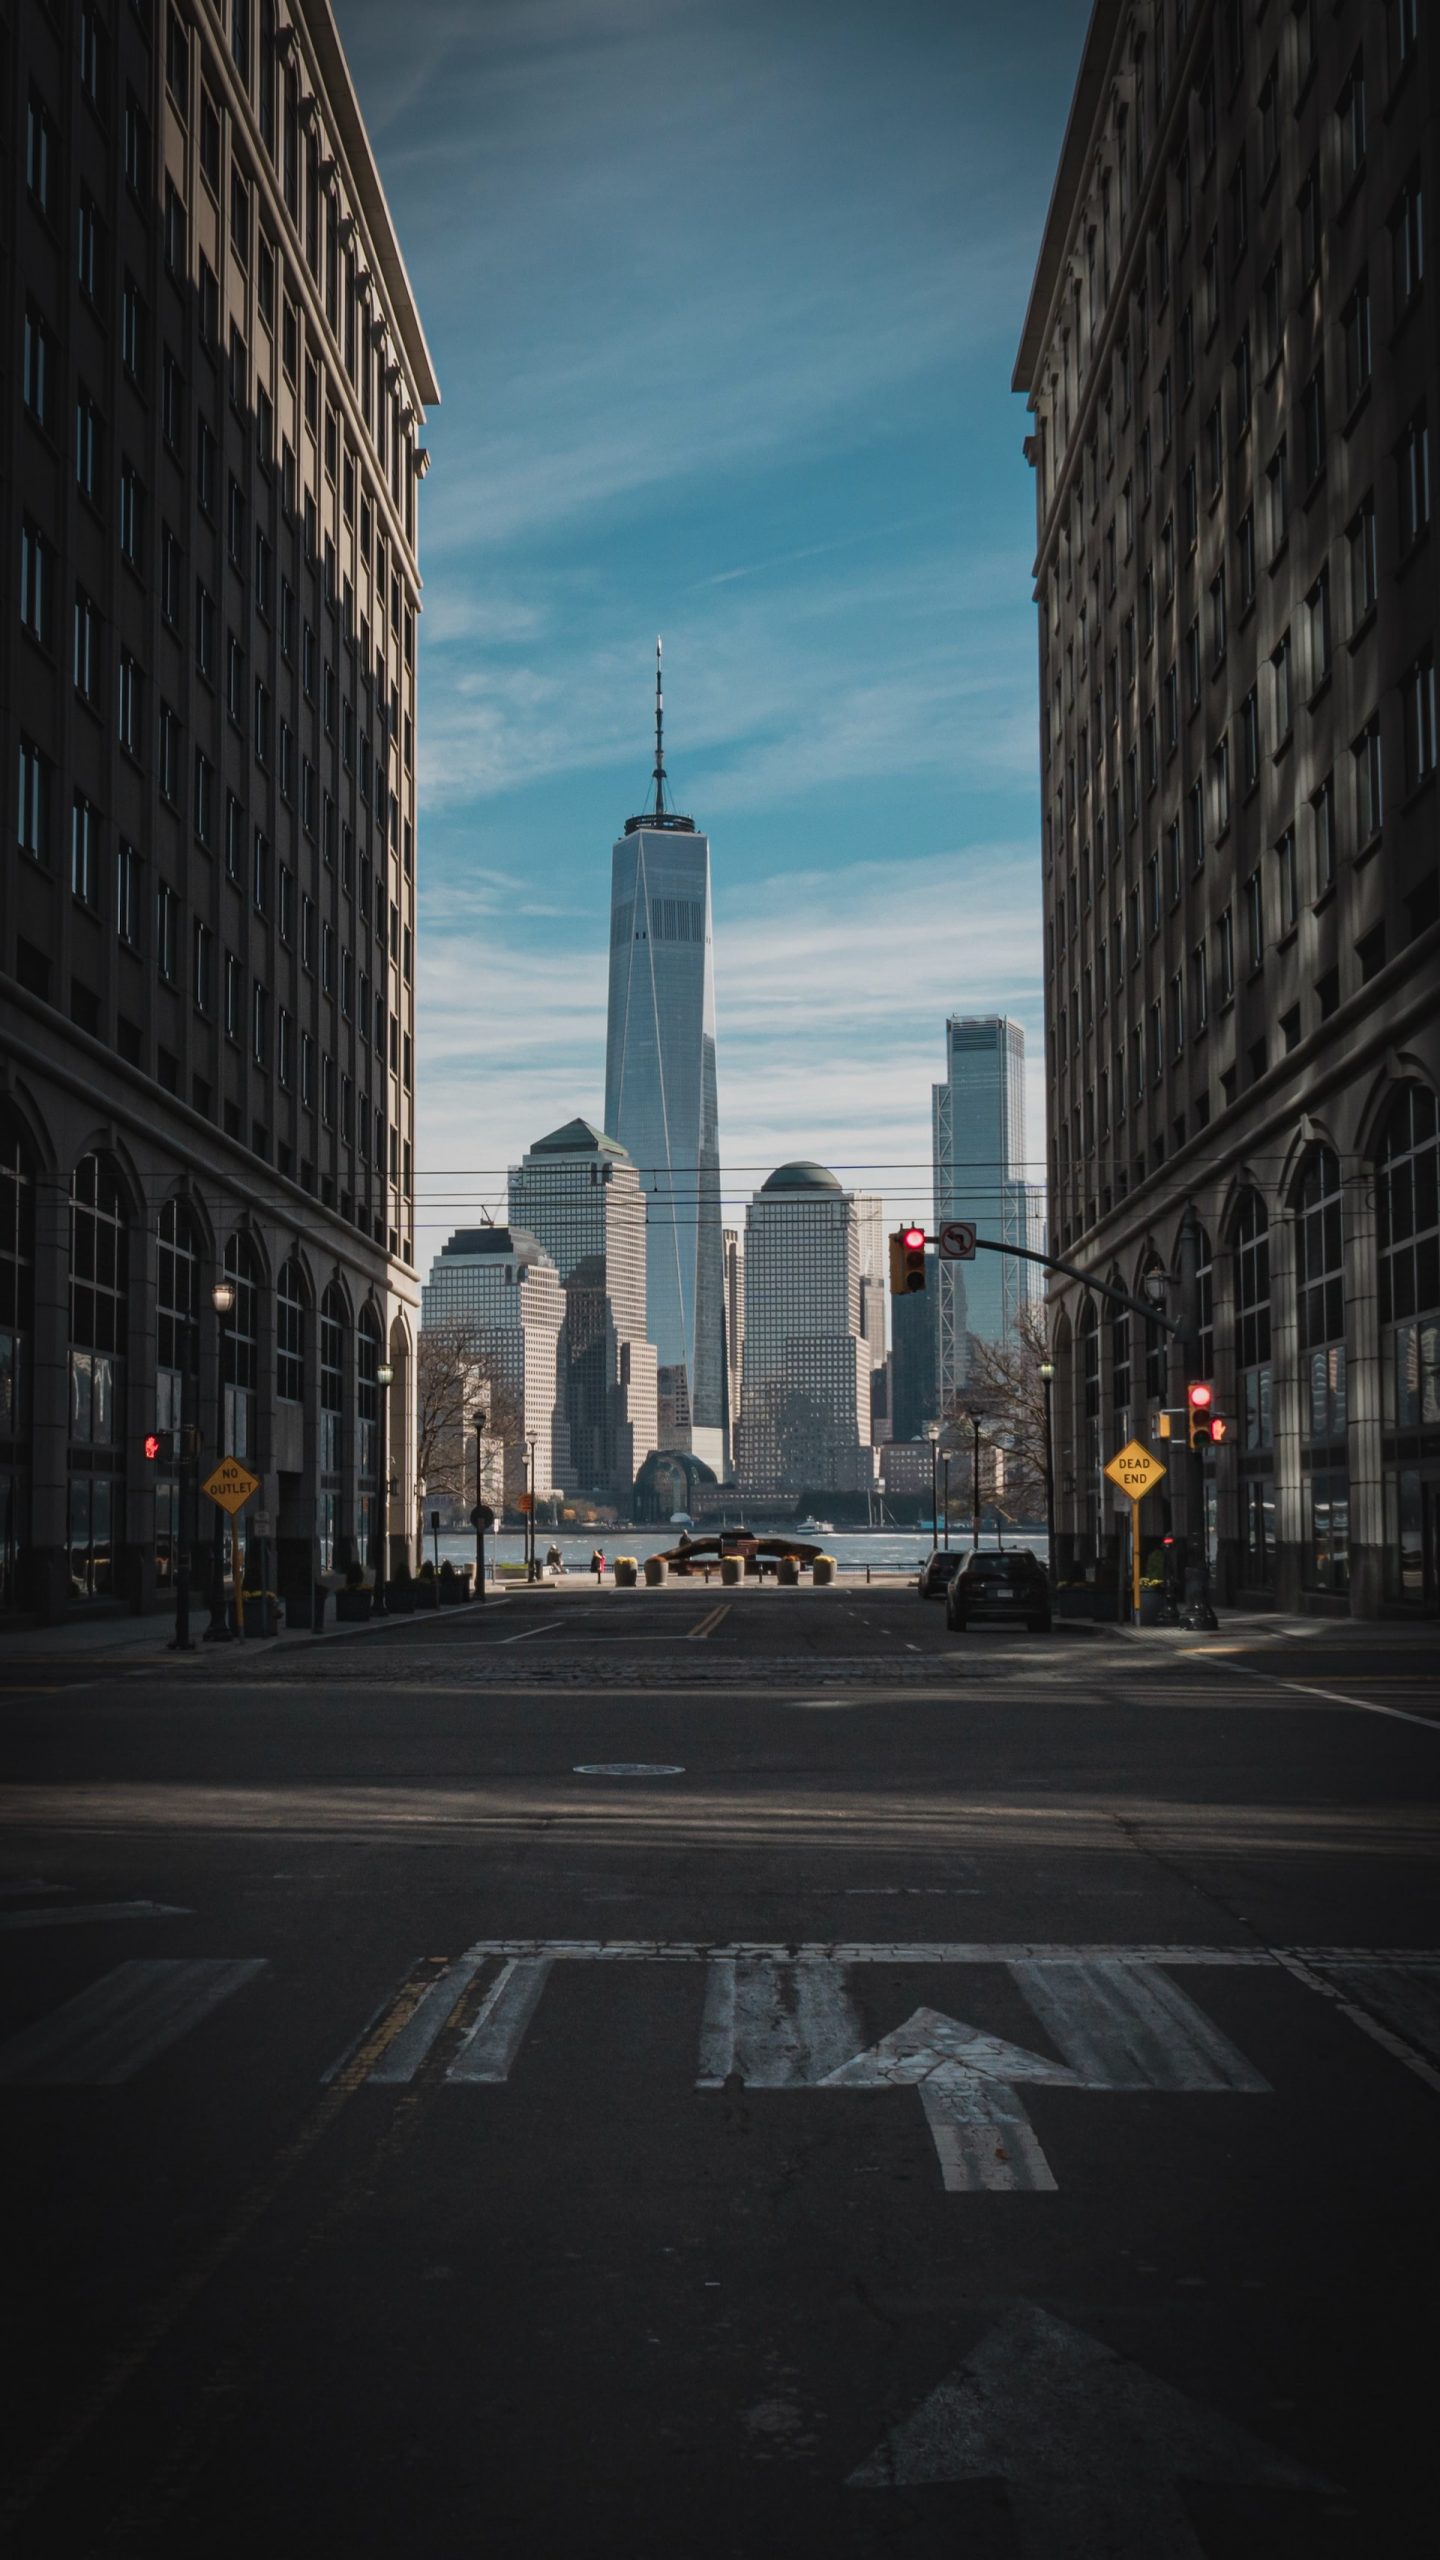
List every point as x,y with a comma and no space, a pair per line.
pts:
883,1550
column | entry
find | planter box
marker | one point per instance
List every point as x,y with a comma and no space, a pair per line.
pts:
262,1618
400,1599
625,1575
822,1570
1152,1608
427,1595
352,1607
789,1573
730,1569
655,1570
454,1593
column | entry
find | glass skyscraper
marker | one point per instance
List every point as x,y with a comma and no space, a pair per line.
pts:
661,1103
979,1135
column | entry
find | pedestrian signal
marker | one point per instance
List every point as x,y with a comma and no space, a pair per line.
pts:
907,1261
157,1445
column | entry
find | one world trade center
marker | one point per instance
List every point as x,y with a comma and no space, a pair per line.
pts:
660,1102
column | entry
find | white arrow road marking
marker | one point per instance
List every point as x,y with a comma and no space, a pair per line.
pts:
489,2046
1128,2026
1092,2448
105,2034
983,2137
56,1919
780,2024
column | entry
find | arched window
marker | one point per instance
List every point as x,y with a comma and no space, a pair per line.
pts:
99,1278
242,1346
1205,1292
1090,1414
1151,1287
290,1333
177,1362
1253,1380
1320,1325
367,1426
333,1327
17,1317
1120,1378
1408,1223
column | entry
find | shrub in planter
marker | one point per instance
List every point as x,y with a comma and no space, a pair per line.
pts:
789,1571
626,1572
823,1569
400,1591
262,1613
427,1588
454,1587
353,1604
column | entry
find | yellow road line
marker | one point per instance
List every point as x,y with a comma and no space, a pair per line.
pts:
709,1623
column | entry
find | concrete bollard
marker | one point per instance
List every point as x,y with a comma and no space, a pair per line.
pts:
625,1571
822,1570
654,1571
789,1572
730,1569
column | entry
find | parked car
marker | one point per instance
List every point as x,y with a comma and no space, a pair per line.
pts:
936,1571
1003,1582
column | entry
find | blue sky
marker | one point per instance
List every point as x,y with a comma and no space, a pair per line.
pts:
723,300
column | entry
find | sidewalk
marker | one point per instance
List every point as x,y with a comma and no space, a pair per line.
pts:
134,1640
1268,1626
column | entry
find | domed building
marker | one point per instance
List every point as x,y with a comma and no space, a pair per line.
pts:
805,1394
667,1483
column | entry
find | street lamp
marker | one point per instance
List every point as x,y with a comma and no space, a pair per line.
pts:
932,1434
479,1419
384,1380
530,1438
945,1471
222,1299
1047,1381
975,1419
419,1522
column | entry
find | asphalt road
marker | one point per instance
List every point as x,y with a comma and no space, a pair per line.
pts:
725,2076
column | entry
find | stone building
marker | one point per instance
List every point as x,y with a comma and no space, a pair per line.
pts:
1230,357
218,376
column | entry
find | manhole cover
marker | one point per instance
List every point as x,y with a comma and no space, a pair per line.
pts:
629,1769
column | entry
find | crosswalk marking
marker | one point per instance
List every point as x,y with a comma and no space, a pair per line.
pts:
1127,2026
106,2033
1406,1997
432,2012
489,2046
781,2026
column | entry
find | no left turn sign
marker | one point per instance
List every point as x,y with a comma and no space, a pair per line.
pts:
957,1240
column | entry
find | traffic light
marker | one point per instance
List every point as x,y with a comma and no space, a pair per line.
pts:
1200,1408
907,1261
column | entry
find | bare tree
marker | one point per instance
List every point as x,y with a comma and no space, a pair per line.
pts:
449,1383
1007,1387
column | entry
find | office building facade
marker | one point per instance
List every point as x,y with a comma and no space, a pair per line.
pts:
1230,357
661,1102
578,1193
207,914
494,1295
805,1404
978,1133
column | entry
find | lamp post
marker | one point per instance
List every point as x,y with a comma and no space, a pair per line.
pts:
419,1522
530,1515
222,1299
945,1472
384,1380
932,1434
479,1419
974,1419
1047,1381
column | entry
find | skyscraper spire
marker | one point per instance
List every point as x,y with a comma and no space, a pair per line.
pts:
658,776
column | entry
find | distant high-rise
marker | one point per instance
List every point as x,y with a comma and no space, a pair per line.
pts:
734,1253
874,1291
660,1101
979,1135
805,1407
496,1293
578,1193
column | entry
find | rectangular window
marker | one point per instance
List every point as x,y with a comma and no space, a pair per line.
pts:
202,967
84,850
127,894
132,514
42,157
1249,741
1308,208
1407,245
1369,785
1277,475
36,582
167,931
89,248
85,666
1272,315
260,1023
1254,921
1323,806
234,838
129,707
285,1056
32,826
1317,632
1220,785
1418,695
171,574
260,873
1195,826
1355,333
1413,467
1312,427
1350,119
235,680
132,329
137,148
167,765
1281,691
38,368
234,995
204,798
1287,882
1218,633
287,903
1199,988
210,141
1225,954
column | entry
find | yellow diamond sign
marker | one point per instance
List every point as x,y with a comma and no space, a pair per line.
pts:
231,1485
1135,1470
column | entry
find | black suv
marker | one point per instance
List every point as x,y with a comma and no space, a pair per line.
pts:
1007,1582
937,1569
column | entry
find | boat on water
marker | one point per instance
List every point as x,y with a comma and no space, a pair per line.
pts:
824,1526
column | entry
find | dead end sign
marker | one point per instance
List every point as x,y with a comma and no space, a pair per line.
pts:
1135,1469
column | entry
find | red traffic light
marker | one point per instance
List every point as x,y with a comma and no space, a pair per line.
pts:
913,1239
1199,1396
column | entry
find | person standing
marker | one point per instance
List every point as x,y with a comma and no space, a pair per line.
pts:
597,1564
